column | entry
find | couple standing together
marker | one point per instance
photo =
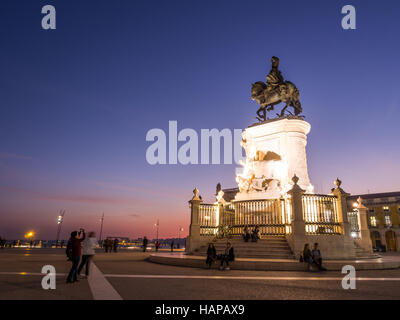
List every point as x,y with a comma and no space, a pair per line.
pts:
80,246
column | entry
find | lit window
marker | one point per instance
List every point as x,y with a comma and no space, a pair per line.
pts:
385,208
388,220
373,221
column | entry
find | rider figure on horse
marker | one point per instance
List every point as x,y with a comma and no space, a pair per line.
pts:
274,78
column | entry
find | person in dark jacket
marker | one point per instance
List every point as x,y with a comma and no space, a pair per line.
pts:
227,257
74,252
145,241
246,234
172,246
317,258
211,255
115,245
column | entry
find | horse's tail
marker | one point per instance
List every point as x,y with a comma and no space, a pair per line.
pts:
296,98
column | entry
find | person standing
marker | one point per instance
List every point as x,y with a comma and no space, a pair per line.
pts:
145,241
115,245
157,245
172,246
89,244
74,252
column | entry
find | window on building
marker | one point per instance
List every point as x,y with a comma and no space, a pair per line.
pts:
373,210
388,220
373,221
386,208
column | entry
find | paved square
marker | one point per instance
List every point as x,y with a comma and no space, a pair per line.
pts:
127,275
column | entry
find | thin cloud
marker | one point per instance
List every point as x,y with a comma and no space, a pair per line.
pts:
8,155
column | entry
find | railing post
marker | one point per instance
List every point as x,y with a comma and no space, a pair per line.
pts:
297,238
220,203
342,207
194,229
365,238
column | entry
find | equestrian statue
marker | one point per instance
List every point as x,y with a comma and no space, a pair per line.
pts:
275,91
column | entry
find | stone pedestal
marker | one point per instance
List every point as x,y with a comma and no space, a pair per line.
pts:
275,152
297,238
193,241
365,238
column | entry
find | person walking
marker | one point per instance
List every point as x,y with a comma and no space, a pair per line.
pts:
74,252
115,245
145,241
105,245
88,246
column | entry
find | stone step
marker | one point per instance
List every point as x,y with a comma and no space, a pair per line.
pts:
252,249
282,247
265,248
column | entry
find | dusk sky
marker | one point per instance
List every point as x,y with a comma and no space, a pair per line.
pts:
77,102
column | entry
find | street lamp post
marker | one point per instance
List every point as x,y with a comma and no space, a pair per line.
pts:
101,226
157,224
59,223
179,235
179,232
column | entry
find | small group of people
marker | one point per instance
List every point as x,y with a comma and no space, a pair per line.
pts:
254,235
110,245
80,251
312,257
225,258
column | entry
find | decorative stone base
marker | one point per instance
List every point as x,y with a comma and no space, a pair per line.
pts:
275,152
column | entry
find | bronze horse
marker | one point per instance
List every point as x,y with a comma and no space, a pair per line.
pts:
268,97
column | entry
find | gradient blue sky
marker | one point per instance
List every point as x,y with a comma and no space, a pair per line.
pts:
77,102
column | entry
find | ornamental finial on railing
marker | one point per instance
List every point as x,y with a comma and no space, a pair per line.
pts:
220,197
338,190
296,188
196,194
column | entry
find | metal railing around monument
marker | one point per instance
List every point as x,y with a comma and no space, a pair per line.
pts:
273,217
208,219
352,217
320,213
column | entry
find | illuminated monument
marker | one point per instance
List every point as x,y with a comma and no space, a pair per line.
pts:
275,192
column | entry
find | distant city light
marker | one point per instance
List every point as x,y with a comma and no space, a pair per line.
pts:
30,234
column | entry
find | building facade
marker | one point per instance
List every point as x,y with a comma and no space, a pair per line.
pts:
383,217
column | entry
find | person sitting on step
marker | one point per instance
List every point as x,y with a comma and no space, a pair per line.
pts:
228,256
316,257
255,234
246,234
